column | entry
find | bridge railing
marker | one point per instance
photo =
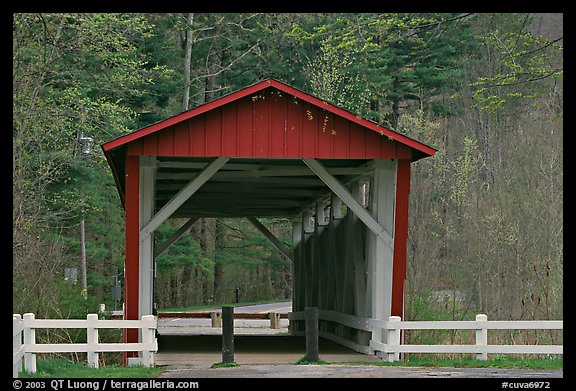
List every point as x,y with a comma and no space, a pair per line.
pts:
25,345
353,321
392,348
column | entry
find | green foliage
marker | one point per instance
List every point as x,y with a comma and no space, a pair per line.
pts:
185,252
58,99
224,365
62,368
484,89
523,59
395,58
465,172
494,361
436,306
332,80
304,361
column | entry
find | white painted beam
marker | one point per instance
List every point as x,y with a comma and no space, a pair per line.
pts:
381,260
270,236
183,195
146,250
349,200
174,237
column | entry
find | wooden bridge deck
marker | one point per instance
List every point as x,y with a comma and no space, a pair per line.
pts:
248,349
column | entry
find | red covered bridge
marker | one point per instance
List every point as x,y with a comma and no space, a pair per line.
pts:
270,150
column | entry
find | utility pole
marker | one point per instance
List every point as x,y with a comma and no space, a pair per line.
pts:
85,149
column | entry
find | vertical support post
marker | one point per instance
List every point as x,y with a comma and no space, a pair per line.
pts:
400,236
307,260
311,321
297,294
132,264
383,189
393,338
148,336
227,334
16,343
481,336
146,251
92,340
29,340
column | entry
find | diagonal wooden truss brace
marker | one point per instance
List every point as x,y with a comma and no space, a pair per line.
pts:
343,193
275,241
182,196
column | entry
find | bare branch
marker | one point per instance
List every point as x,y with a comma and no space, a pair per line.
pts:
227,67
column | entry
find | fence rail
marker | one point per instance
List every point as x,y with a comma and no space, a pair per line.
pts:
393,327
25,346
392,348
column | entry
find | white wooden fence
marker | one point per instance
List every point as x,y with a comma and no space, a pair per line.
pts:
392,347
25,346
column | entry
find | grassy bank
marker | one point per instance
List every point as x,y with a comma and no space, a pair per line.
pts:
63,368
496,361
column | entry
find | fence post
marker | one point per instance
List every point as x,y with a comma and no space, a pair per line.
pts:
274,320
148,336
311,324
227,334
216,319
481,336
393,338
92,340
29,340
16,343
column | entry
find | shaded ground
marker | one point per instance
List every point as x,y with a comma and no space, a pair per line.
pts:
248,349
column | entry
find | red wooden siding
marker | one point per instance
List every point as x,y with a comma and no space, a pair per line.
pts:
269,124
131,264
400,237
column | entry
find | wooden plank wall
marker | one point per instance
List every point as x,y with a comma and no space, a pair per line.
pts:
330,267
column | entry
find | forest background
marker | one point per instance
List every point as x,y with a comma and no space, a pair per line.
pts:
486,212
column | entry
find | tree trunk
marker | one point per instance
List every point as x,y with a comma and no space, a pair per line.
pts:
212,69
187,60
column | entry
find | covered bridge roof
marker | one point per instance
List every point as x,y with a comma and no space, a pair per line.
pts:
265,129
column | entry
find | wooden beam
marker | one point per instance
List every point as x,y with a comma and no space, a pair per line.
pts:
231,176
380,270
175,236
183,195
235,212
270,172
238,201
263,190
349,200
146,269
400,237
132,264
270,236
